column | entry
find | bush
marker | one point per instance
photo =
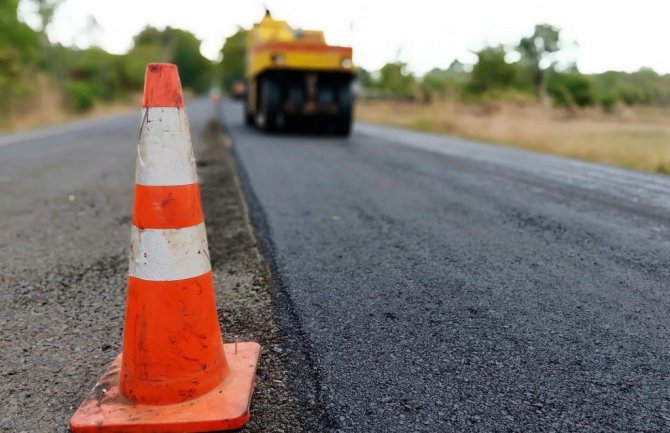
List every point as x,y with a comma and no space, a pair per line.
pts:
492,72
443,82
396,81
81,95
608,100
570,89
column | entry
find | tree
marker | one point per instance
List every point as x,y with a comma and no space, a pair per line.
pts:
492,72
46,9
396,81
538,56
233,58
364,78
570,89
181,48
644,86
444,82
194,69
18,47
16,37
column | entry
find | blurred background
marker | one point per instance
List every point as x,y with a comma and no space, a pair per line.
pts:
589,80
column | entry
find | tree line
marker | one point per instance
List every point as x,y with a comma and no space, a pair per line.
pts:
84,77
529,70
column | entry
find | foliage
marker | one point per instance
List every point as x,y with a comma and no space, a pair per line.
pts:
536,71
15,35
537,52
19,45
396,80
233,58
135,64
492,71
444,82
102,72
522,72
89,75
181,48
46,10
642,87
364,77
81,95
572,89
608,101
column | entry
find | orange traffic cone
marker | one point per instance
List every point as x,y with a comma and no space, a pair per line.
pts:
175,374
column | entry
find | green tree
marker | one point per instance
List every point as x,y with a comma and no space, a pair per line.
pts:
492,71
434,83
46,9
135,63
444,82
233,58
364,78
181,48
50,60
18,48
538,56
194,68
641,87
16,36
101,71
396,81
572,89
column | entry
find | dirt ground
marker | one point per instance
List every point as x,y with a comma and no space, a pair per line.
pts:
62,291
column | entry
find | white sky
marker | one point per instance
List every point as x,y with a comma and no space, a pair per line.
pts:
610,34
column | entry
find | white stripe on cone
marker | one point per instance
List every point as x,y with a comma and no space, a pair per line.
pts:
169,254
164,155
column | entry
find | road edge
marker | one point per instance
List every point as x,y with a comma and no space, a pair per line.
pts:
304,374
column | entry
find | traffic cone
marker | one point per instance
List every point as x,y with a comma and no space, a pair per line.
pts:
174,374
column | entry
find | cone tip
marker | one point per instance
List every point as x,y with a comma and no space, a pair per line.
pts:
162,87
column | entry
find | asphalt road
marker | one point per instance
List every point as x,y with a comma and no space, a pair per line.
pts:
424,283
435,284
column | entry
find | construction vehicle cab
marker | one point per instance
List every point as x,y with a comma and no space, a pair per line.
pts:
294,78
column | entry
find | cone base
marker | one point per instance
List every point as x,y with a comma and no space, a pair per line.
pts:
226,407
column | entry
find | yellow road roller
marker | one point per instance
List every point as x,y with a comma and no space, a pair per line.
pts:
295,79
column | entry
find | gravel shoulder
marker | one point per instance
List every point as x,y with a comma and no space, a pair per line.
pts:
245,288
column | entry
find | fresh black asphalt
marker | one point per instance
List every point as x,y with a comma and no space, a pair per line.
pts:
437,285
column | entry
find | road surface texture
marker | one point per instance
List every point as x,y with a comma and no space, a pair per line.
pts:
66,201
434,284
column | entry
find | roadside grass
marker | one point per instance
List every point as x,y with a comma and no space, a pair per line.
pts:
636,138
47,107
52,115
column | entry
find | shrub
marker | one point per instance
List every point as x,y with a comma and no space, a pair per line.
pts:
570,89
608,100
81,95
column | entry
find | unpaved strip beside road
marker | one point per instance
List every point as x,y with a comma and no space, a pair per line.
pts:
63,265
244,285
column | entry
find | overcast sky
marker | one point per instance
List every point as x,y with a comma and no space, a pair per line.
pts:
610,34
